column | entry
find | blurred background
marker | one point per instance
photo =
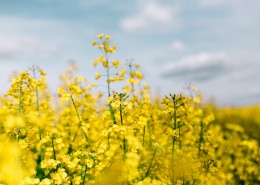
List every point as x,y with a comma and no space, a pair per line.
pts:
213,44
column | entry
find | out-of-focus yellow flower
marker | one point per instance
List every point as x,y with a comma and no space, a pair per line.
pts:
46,181
115,63
98,75
122,72
94,43
100,36
108,36
105,64
133,81
9,155
194,88
96,61
127,88
14,122
93,84
139,75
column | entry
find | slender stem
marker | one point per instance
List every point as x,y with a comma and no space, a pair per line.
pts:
84,176
150,165
108,90
112,112
124,148
19,107
179,135
143,135
173,144
54,153
132,85
20,98
121,112
108,82
38,110
77,113
108,75
174,137
201,138
41,151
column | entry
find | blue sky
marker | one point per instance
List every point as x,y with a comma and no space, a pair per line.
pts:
213,44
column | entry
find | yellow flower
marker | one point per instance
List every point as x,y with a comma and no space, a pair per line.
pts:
101,35
115,63
122,73
80,79
133,81
99,95
127,88
105,64
108,36
94,43
139,75
43,73
14,121
46,181
98,75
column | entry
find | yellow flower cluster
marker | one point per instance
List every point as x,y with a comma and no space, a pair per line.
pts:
80,137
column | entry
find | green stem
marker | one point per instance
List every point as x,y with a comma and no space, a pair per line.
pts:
84,175
121,113
132,85
179,135
77,113
201,137
150,165
108,91
20,98
19,107
112,112
173,144
174,137
41,151
124,148
108,82
38,110
143,135
54,153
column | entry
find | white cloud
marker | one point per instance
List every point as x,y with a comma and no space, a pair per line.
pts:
21,38
177,46
151,14
14,46
19,23
207,3
198,67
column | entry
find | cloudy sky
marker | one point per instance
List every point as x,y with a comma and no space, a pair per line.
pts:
213,44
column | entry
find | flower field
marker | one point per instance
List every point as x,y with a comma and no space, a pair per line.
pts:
79,136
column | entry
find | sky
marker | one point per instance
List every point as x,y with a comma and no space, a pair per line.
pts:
212,44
